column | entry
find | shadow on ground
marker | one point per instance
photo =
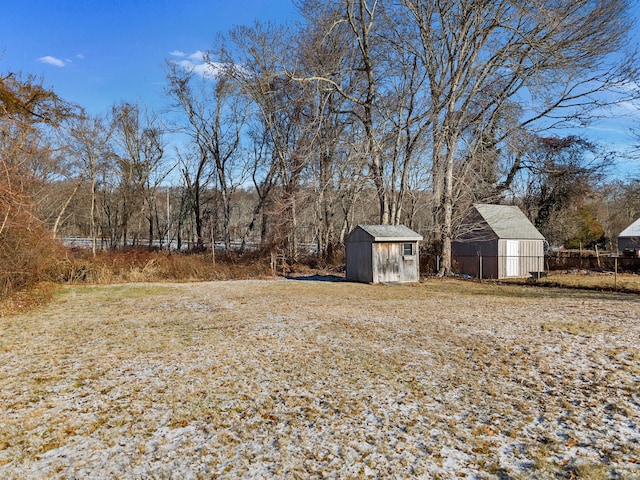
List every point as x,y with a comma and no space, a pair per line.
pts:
318,278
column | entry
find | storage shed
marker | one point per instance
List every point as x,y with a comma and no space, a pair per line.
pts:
382,253
629,239
498,241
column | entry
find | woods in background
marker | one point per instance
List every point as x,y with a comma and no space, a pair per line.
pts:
362,112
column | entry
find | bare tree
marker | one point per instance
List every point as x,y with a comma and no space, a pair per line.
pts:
28,114
88,144
216,115
559,174
138,152
482,56
263,175
282,105
357,74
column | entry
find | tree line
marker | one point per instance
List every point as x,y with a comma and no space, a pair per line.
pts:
362,111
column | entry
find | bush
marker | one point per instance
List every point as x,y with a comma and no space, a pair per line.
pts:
27,256
142,264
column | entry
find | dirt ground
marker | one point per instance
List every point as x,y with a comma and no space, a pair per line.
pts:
322,379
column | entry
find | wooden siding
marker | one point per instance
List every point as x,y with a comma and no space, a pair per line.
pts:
386,262
531,258
628,243
375,254
467,256
488,259
488,248
359,266
381,262
390,265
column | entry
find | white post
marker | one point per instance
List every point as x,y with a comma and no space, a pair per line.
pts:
168,217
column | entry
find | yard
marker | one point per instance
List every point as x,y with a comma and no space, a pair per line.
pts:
314,379
587,279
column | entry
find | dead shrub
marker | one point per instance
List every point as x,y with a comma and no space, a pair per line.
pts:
144,265
26,255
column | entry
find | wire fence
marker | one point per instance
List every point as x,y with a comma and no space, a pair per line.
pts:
477,266
607,262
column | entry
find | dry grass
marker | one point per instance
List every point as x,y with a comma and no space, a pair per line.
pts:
622,282
143,265
78,267
302,379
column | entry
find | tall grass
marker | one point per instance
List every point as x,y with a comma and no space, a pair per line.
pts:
141,264
31,265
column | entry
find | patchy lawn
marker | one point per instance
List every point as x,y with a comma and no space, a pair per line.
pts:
586,279
311,379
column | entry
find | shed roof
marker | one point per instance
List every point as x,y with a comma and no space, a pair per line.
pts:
508,221
632,230
389,233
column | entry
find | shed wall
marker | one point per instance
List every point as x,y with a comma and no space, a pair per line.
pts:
390,265
628,243
359,265
467,257
411,265
386,262
531,258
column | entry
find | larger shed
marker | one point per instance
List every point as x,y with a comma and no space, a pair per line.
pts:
629,239
498,241
382,253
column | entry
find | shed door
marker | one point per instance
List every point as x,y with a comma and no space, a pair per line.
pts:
389,258
513,258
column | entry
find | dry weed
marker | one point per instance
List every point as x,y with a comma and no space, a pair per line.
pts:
303,379
623,282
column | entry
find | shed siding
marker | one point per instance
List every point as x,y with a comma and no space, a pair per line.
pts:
390,265
375,253
359,266
468,255
410,264
531,254
628,243
493,255
386,262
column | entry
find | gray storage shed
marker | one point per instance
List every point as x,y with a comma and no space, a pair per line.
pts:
629,238
498,241
382,253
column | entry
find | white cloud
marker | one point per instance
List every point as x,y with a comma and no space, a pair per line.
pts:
205,70
80,56
630,107
196,62
56,62
197,56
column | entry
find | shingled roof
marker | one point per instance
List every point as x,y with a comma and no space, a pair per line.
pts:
390,233
508,222
632,230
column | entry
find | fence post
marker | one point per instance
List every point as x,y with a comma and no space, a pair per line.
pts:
615,273
480,269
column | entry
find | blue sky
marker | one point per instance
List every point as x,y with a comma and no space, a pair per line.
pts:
97,53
